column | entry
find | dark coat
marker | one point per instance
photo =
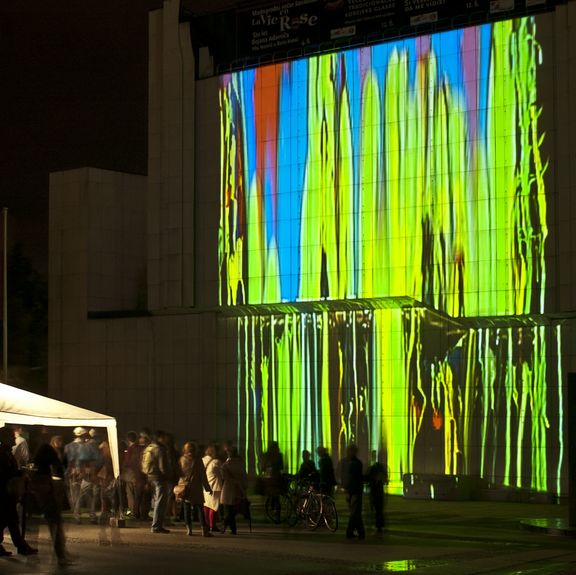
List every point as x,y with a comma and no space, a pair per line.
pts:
193,473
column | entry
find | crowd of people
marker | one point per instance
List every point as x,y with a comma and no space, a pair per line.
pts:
157,483
204,482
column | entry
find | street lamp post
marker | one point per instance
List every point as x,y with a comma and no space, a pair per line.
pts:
5,294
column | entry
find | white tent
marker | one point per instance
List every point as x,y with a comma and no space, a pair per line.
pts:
26,408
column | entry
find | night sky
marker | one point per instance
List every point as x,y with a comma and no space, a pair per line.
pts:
73,93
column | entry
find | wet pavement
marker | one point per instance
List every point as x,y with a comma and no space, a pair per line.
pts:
428,537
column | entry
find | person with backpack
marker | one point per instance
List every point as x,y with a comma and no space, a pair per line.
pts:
156,467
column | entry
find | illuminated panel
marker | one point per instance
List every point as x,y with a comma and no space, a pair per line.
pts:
413,169
410,168
431,396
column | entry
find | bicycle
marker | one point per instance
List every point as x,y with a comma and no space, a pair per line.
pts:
314,507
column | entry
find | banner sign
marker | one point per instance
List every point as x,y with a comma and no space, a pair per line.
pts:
295,24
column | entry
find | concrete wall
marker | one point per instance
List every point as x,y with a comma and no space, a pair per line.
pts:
171,189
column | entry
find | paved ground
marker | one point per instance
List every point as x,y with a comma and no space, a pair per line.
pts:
428,537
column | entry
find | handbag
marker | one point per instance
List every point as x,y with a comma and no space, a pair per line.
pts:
180,488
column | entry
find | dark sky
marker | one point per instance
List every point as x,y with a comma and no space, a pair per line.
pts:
73,78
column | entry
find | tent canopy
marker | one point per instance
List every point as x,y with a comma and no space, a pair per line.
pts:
26,408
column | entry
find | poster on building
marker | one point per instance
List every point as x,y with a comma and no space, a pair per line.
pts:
286,27
281,26
298,23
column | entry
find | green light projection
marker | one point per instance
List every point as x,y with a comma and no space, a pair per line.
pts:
410,169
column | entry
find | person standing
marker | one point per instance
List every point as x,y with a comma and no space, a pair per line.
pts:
58,471
8,500
213,467
93,463
173,475
146,501
106,482
377,478
353,483
21,451
156,468
72,473
233,487
307,470
273,464
83,460
326,475
193,476
132,475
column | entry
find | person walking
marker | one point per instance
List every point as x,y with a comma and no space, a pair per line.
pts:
193,476
353,484
233,487
46,498
9,475
156,468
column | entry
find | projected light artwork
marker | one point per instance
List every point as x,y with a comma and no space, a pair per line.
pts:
409,171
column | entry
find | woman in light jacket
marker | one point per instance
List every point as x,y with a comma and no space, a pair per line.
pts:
193,475
214,475
233,488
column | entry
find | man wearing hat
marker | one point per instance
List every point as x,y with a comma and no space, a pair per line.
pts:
82,458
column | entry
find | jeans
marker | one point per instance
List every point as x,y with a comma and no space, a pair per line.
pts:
86,489
160,497
135,495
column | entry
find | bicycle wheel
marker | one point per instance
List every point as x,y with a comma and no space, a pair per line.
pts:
329,513
296,509
313,511
273,509
285,508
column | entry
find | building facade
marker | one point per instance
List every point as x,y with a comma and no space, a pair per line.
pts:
371,245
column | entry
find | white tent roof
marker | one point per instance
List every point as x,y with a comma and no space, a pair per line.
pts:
26,408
